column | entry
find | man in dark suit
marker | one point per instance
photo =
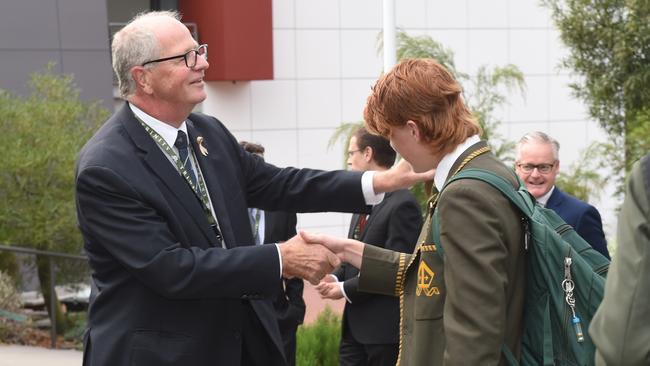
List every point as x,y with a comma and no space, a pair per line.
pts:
370,331
162,197
538,165
270,227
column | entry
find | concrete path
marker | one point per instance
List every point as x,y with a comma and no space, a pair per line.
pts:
11,355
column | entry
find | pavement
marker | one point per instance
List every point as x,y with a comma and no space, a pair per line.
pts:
12,355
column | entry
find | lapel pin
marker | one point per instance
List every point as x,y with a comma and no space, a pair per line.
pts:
204,151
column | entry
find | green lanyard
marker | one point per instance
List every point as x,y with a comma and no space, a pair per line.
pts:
200,191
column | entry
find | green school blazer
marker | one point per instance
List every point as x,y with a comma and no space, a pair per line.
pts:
460,310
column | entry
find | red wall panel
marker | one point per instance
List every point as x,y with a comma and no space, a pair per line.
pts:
239,34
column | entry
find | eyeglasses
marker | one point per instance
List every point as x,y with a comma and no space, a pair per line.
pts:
542,168
189,56
351,152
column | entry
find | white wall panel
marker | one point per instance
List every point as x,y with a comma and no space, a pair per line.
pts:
312,14
230,103
319,103
274,104
284,54
359,56
361,14
318,53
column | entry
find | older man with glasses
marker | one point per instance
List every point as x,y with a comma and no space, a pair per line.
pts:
162,196
538,165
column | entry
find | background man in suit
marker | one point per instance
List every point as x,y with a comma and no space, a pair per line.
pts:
538,165
165,222
370,331
270,227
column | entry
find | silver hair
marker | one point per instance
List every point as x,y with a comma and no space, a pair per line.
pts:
134,45
539,137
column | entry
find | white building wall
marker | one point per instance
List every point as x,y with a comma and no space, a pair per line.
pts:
325,61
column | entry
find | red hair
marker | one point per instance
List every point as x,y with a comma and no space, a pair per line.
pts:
422,91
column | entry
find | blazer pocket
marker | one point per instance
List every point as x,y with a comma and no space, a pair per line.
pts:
151,347
430,287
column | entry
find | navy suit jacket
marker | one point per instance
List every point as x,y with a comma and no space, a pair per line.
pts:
393,224
168,293
289,304
584,218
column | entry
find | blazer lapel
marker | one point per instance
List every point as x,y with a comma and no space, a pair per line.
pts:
556,199
210,164
163,168
373,214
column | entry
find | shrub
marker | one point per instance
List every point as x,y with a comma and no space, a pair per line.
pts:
318,343
9,298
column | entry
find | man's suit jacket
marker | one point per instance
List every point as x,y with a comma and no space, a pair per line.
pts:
393,224
463,309
168,294
289,304
584,218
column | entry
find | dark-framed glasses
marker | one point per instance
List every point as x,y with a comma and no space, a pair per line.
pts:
351,152
190,56
542,168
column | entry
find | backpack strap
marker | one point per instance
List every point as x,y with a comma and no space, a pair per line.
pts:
523,200
520,197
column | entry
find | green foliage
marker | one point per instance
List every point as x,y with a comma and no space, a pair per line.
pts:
318,343
581,179
609,49
42,134
9,298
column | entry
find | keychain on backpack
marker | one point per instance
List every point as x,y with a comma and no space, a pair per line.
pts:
568,286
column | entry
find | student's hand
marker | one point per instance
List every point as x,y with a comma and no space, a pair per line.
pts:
347,250
308,261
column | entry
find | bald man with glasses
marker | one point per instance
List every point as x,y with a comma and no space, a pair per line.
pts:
538,165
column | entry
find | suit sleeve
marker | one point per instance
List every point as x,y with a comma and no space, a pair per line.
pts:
293,288
620,327
403,228
132,233
590,228
475,272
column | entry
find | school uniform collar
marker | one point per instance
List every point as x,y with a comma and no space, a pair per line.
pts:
447,162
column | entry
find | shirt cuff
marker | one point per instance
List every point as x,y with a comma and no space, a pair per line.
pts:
343,291
368,191
277,246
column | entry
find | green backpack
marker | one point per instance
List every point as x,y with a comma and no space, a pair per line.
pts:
564,286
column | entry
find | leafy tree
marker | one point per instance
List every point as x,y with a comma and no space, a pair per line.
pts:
581,179
609,51
42,134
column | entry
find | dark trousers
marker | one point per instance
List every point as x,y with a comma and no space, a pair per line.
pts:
355,353
257,347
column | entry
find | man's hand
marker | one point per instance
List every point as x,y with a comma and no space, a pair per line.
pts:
308,261
348,250
329,290
401,175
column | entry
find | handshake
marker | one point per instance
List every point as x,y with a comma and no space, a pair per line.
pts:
312,256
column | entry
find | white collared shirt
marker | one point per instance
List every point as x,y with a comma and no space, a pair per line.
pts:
544,198
443,168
